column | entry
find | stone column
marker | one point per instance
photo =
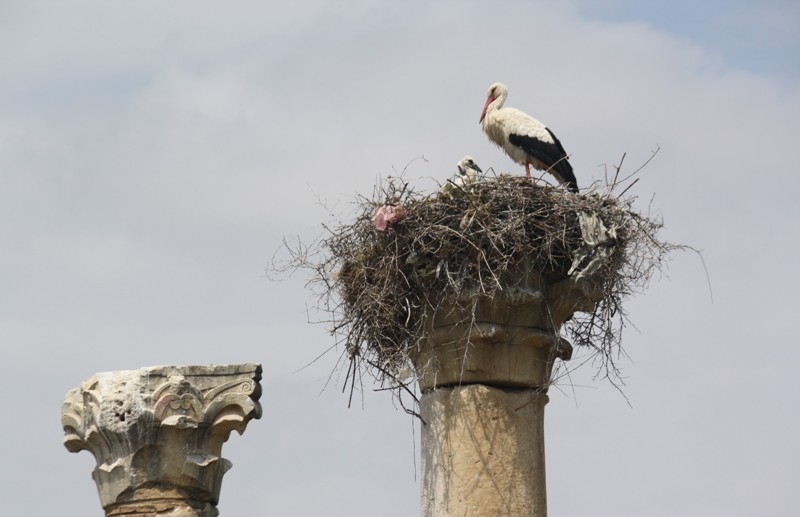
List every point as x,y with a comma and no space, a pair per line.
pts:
483,371
157,434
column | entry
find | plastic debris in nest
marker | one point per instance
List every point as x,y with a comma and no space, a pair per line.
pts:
387,215
598,244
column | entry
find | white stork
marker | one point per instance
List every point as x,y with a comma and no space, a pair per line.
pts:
468,171
467,175
524,139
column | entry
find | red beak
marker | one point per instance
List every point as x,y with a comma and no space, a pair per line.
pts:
485,107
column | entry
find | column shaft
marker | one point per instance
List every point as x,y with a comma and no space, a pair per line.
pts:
483,452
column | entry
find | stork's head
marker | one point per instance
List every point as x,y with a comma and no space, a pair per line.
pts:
496,96
468,168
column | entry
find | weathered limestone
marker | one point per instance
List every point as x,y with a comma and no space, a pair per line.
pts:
483,452
157,434
483,371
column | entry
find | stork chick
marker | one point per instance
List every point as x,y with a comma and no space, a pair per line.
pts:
467,175
468,172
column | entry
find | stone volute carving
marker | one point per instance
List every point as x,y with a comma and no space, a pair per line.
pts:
157,434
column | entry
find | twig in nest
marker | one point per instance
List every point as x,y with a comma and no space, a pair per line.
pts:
379,287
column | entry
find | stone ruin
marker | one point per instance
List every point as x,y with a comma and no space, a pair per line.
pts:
480,327
157,434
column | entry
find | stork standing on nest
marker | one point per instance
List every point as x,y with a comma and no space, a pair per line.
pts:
524,139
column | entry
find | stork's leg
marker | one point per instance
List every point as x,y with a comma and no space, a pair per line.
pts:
528,169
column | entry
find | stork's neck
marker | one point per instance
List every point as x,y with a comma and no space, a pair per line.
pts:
496,104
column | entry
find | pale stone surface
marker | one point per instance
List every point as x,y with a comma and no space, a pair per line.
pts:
511,339
488,353
157,434
483,452
483,369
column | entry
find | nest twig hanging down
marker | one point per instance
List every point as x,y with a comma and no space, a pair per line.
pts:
378,286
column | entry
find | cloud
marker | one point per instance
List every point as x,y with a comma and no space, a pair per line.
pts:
153,155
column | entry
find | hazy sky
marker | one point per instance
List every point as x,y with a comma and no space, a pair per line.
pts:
153,154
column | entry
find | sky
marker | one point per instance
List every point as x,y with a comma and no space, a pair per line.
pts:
153,155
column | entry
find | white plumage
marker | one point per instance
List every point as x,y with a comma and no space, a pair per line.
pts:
468,171
524,139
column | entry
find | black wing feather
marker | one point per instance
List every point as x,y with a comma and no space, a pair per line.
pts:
551,154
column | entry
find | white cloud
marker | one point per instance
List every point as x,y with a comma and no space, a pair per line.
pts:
155,154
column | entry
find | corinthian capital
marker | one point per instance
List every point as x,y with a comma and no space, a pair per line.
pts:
157,434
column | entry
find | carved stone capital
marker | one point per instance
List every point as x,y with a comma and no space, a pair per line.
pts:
507,340
483,368
157,434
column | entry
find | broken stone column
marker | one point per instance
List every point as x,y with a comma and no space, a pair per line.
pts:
157,434
483,372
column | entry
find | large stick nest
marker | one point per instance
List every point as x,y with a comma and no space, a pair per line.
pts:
379,286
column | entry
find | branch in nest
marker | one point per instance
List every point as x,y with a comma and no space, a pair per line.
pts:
379,286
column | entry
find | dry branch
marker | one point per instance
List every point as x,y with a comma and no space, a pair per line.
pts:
378,287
